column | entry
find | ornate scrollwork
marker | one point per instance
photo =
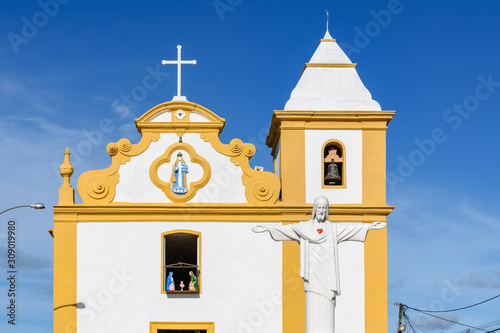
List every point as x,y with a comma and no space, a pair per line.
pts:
124,145
260,187
99,186
236,146
112,149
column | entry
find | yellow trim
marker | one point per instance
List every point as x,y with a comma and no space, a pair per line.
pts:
302,120
64,274
344,165
180,231
99,186
374,193
375,249
327,40
374,167
214,212
328,65
154,326
166,186
293,311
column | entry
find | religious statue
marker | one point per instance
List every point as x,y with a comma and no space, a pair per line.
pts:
319,264
179,176
170,282
193,284
182,285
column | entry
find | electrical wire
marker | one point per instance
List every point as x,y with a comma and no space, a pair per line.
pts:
465,307
411,323
451,321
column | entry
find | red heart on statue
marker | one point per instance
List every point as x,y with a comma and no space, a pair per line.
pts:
320,231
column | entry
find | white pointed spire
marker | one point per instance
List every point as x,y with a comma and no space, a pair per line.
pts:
330,81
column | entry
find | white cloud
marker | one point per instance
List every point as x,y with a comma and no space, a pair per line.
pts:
8,87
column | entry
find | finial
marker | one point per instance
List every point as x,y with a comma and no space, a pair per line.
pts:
326,20
66,168
66,191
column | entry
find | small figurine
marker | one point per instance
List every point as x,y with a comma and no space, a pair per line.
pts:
193,285
170,282
179,176
182,285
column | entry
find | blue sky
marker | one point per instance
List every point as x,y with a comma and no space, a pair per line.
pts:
66,70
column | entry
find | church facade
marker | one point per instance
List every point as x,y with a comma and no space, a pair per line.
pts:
163,240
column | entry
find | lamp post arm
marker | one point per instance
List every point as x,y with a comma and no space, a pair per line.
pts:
36,206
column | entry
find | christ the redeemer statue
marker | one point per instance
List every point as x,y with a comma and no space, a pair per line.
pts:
319,263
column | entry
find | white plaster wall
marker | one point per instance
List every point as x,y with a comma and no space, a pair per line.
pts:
350,311
119,274
164,116
352,140
225,184
196,117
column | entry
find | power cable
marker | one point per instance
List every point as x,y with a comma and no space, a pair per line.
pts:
465,307
451,321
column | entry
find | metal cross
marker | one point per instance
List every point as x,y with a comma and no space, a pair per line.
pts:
178,62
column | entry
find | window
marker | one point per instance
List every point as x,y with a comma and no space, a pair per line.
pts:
198,327
333,164
181,258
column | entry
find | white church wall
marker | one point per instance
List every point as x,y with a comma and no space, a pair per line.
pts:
135,185
119,272
350,311
352,140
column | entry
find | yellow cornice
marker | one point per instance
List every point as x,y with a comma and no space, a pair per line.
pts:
196,212
328,65
327,40
331,65
354,120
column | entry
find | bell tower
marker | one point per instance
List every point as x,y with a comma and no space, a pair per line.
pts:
330,140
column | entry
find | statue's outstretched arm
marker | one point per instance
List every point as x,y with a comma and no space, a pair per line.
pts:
260,228
377,225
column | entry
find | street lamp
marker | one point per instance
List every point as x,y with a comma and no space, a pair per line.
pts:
38,205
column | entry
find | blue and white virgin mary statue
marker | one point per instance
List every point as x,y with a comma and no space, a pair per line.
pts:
179,176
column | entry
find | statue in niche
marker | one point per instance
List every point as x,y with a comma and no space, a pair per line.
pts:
179,176
319,264
170,282
193,284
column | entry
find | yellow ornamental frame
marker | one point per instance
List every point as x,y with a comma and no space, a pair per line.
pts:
166,186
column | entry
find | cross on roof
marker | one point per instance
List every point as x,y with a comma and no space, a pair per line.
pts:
179,62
